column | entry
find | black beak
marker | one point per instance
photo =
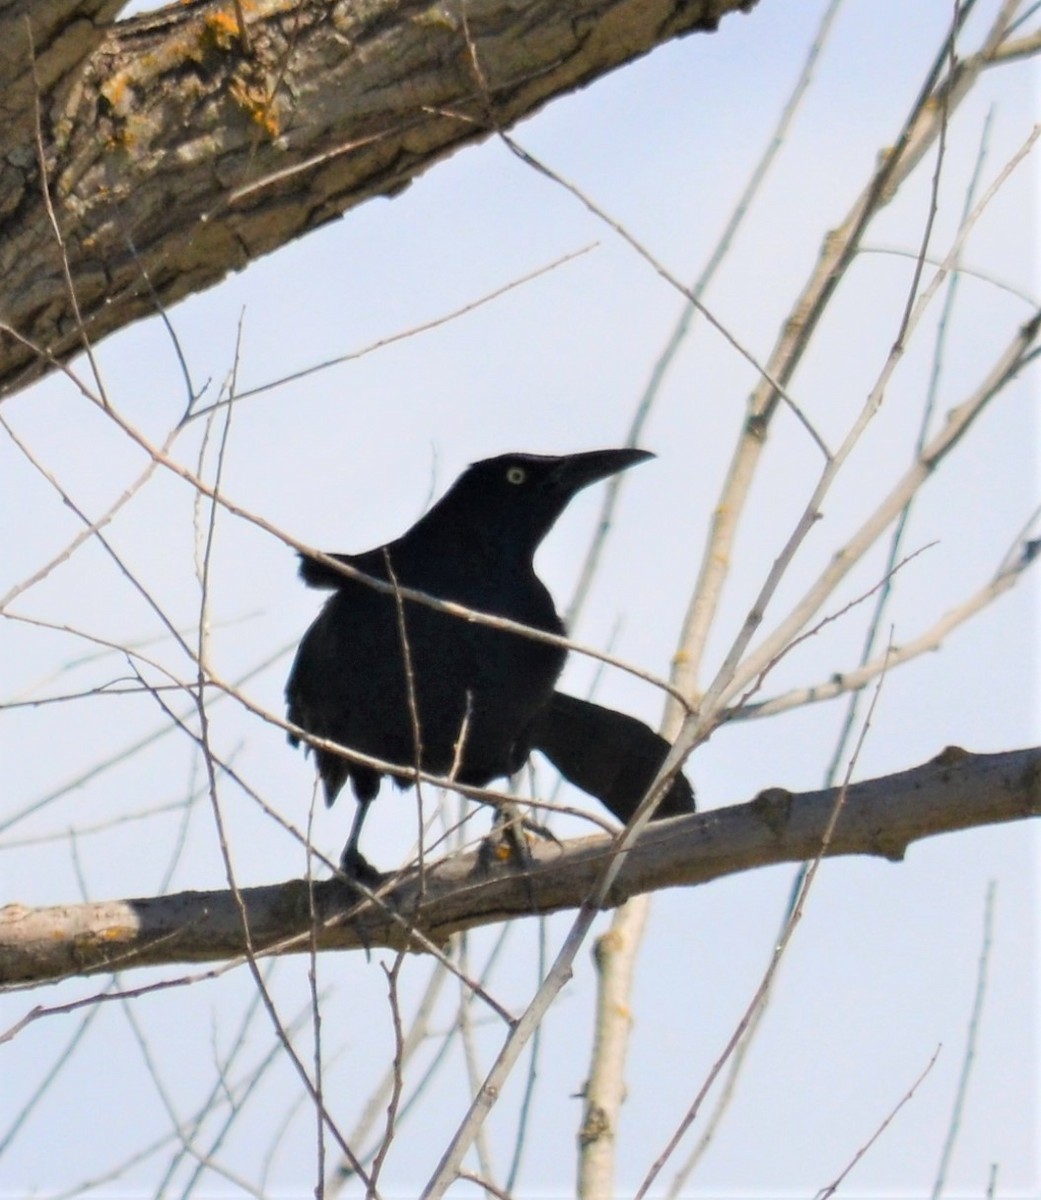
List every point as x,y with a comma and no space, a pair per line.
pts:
576,471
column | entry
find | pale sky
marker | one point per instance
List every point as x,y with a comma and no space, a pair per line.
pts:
883,968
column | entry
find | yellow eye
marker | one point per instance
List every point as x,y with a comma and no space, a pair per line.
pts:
516,475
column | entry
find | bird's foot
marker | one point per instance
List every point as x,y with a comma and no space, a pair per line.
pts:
507,843
540,831
357,869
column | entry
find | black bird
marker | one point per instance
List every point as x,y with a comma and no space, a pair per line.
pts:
479,699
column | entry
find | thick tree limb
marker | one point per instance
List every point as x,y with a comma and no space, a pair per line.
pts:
178,149
882,817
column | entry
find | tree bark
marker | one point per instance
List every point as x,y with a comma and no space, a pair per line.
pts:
881,817
179,147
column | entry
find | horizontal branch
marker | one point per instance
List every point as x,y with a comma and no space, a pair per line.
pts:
955,791
179,148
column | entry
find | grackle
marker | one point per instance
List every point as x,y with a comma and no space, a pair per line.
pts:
400,681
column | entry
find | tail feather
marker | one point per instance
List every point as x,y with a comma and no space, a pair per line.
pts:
319,574
609,755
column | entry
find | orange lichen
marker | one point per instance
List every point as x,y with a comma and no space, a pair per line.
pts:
257,104
116,933
222,28
115,91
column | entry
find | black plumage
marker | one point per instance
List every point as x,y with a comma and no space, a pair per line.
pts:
607,754
483,697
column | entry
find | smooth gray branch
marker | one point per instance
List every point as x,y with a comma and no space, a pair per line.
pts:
881,817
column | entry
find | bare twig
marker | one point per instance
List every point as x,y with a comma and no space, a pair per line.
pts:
84,534
450,1165
381,1096
52,218
972,1037
920,128
411,332
681,330
527,1105
843,682
413,709
781,946
466,1034
827,1192
397,1067
897,538
732,678
761,369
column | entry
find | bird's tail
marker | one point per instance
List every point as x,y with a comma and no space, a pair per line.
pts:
608,754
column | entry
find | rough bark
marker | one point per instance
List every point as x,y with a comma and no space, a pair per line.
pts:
879,817
179,148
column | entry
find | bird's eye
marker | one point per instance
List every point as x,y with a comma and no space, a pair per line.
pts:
516,475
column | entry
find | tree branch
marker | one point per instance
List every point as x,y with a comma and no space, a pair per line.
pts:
179,150
881,817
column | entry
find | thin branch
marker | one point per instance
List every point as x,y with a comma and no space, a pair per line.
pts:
397,1079
930,639
838,252
450,1165
761,369
827,1192
698,289
221,1091
779,951
465,1032
84,534
52,218
925,422
381,1095
1029,298
61,1060
413,708
733,678
527,1104
971,1040
402,335
133,748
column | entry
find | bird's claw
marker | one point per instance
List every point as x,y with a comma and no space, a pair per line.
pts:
506,842
356,868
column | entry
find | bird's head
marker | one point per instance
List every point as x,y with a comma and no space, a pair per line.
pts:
519,496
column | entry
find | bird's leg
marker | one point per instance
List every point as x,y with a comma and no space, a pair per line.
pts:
352,862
